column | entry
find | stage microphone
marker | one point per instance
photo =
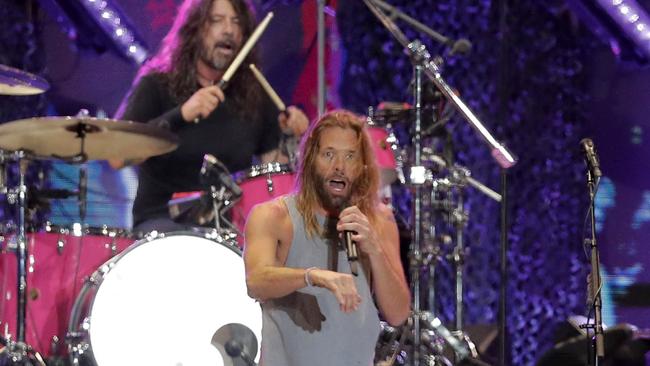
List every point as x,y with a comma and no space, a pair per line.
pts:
235,349
212,165
351,250
591,157
461,46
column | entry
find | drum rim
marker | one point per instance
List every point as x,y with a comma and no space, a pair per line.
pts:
86,229
77,315
257,170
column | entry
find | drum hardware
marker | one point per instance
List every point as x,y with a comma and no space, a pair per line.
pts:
386,149
18,351
18,82
425,65
236,341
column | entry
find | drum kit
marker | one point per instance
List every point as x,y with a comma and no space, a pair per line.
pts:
94,295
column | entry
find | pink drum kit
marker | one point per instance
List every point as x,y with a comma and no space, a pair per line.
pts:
78,294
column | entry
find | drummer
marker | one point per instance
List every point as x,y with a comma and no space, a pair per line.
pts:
176,89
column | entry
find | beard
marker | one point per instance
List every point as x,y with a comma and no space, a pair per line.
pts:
212,57
328,201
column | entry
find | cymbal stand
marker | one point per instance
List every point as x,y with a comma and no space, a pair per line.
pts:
458,219
18,351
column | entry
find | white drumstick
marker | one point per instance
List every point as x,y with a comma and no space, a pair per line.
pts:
268,88
245,50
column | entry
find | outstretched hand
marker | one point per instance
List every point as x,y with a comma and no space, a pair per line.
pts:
342,285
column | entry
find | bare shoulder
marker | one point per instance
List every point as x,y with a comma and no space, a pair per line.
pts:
269,213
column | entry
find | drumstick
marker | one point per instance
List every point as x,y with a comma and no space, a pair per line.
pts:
269,89
244,51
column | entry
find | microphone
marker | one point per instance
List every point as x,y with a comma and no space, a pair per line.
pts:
461,46
235,349
351,250
212,165
591,157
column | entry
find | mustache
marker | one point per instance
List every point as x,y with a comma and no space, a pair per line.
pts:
227,41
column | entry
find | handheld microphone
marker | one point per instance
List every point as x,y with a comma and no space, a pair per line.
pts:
591,157
351,250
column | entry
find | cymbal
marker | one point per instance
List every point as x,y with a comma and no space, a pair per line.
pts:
60,137
18,82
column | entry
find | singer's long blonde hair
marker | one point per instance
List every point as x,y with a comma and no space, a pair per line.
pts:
364,189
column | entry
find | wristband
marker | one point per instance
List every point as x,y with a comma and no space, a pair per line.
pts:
307,279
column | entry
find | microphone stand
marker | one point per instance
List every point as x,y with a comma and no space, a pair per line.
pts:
396,13
419,53
598,340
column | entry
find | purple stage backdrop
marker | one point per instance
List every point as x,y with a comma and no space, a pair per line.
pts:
537,77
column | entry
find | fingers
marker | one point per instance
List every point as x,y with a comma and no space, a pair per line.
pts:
202,103
346,294
342,286
209,99
294,121
351,218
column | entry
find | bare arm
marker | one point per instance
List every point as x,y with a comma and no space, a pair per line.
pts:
381,244
268,278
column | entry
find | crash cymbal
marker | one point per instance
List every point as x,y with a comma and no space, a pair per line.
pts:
61,137
18,82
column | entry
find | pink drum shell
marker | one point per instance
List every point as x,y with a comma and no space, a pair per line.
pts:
255,190
53,280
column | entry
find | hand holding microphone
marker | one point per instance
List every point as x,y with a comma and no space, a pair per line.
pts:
351,250
358,234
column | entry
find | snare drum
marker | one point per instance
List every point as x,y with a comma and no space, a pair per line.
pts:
260,184
60,259
167,300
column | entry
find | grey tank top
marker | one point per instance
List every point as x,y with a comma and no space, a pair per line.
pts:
307,328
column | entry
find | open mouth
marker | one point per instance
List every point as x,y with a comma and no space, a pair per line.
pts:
225,47
337,185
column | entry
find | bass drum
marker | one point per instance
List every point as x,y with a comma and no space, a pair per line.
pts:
174,299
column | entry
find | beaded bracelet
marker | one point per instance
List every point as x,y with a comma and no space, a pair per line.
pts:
307,280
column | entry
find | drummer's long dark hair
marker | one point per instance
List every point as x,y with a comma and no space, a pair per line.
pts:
180,49
364,189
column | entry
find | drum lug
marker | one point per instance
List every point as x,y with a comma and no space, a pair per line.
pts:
54,345
113,248
60,244
31,260
269,184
